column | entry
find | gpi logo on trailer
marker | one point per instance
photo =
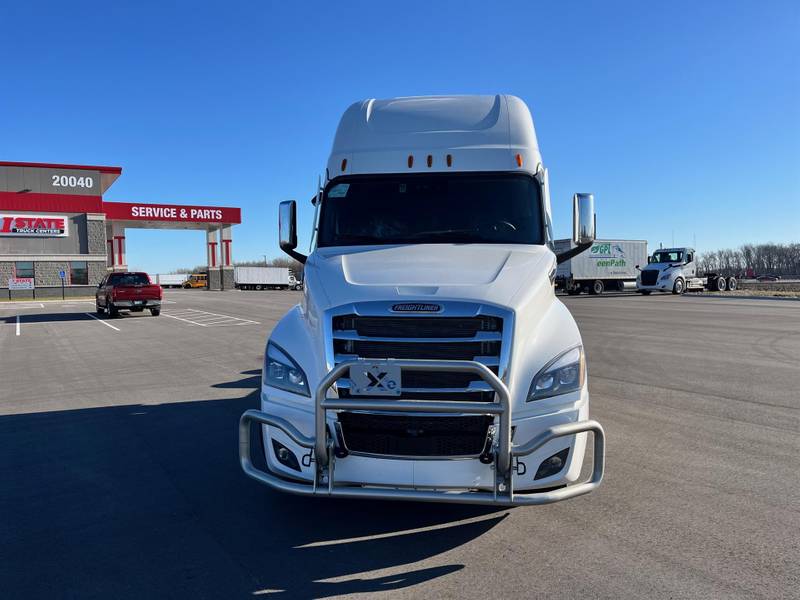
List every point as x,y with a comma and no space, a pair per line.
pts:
33,225
610,254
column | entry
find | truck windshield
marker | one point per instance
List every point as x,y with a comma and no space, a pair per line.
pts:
496,208
664,257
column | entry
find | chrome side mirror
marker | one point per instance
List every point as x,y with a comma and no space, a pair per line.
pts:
584,219
287,229
584,226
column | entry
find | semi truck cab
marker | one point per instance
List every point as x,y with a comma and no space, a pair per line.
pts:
675,270
429,358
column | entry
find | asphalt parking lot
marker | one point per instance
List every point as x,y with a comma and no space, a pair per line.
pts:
119,475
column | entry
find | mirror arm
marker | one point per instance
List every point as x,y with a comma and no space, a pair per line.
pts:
301,258
565,256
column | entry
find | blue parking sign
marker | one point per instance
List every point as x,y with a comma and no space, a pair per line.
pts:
62,274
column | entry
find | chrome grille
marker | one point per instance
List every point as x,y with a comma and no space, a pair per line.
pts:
476,338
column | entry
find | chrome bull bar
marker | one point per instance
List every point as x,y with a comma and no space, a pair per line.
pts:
322,443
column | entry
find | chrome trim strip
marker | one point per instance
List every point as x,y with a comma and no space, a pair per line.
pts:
480,336
474,387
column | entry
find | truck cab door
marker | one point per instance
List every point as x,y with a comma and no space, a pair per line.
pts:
690,268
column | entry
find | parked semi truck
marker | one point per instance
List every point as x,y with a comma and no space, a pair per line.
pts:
265,278
167,280
429,358
607,265
675,270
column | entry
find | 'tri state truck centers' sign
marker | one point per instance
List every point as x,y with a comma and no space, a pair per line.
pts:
33,225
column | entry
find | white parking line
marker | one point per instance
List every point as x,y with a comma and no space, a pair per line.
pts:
179,319
17,324
101,320
204,318
20,306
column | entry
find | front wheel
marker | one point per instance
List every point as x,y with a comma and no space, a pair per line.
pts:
677,289
113,311
155,311
597,288
644,292
100,310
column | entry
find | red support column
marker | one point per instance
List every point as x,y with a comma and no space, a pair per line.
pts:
120,239
227,258
212,246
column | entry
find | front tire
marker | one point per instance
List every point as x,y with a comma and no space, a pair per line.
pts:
155,311
113,311
99,309
597,288
644,292
678,288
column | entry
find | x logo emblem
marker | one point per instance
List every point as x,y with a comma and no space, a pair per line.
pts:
376,381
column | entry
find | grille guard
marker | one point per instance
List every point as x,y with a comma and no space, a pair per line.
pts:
324,458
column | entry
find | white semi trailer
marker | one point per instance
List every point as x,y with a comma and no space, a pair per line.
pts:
265,278
167,280
429,329
675,270
606,265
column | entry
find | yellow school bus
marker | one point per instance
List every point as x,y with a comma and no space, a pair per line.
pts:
196,280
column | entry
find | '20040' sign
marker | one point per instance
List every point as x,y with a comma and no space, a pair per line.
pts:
33,225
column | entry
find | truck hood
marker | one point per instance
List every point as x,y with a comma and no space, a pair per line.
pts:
491,273
666,267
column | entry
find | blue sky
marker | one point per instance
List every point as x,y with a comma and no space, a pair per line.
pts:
682,117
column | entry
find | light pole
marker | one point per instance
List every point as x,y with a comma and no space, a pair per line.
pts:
265,259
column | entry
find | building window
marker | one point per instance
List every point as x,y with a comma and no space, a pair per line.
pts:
78,273
23,270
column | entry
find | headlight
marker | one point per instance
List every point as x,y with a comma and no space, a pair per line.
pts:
665,277
565,373
281,372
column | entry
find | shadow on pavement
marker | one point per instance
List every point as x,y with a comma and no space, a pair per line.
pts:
60,317
145,501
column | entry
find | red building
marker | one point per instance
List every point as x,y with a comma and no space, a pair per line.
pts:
56,229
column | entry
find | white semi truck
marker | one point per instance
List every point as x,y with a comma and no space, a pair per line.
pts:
675,270
265,278
429,358
607,266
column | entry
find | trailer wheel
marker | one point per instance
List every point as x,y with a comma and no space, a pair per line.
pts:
678,289
720,284
732,283
258,288
597,288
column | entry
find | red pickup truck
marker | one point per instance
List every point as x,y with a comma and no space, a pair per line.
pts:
127,291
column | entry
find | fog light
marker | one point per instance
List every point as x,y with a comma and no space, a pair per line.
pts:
553,464
285,456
